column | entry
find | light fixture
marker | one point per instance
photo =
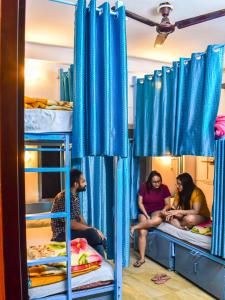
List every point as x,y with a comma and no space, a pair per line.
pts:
33,71
27,157
166,160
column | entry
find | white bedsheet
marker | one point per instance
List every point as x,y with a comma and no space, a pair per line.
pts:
46,120
202,241
104,273
42,235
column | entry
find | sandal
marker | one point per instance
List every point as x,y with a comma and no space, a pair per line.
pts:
160,278
138,263
131,235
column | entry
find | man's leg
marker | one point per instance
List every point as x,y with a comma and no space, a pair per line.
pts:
92,237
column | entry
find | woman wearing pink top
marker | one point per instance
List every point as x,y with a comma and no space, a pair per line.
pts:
153,202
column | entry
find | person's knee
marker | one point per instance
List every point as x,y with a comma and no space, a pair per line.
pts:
190,220
141,218
95,238
157,214
157,220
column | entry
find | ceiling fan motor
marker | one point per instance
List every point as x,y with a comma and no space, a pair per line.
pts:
165,27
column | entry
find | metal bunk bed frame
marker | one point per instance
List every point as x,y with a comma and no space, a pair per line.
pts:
104,293
113,291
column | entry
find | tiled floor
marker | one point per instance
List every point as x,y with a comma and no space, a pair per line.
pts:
138,286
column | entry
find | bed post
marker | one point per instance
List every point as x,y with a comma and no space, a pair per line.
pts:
118,228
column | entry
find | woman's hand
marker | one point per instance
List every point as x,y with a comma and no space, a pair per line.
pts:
164,211
147,217
171,214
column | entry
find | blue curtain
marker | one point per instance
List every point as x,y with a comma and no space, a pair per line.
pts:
101,106
66,84
218,212
131,182
97,203
134,175
176,107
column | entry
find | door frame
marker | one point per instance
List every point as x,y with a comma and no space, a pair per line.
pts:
13,272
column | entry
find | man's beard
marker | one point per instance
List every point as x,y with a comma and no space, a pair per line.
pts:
81,189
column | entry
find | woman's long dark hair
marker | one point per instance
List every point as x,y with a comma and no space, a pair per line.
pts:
149,180
188,187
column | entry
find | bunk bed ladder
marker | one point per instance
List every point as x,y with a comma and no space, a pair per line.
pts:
62,138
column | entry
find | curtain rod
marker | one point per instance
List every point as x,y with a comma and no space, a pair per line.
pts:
64,2
118,3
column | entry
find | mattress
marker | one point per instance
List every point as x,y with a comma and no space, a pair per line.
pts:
105,273
199,240
42,235
45,120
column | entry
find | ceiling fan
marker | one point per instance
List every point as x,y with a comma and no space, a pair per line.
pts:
165,27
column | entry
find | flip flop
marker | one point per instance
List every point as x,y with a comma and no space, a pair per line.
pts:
160,278
138,263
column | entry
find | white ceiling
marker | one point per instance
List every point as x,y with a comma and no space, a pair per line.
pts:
52,23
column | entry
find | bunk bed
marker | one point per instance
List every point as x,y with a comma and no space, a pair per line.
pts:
195,263
99,283
185,252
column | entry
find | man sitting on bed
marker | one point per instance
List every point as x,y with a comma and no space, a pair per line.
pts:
79,228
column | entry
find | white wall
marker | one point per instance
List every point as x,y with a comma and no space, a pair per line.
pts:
46,61
42,78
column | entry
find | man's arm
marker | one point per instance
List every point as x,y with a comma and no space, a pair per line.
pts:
80,226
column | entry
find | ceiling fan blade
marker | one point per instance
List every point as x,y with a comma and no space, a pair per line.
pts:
139,18
160,39
200,19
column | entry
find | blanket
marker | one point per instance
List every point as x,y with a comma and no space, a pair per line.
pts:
84,259
32,103
44,274
204,228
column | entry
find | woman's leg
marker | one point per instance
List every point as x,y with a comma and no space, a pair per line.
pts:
142,234
176,221
155,221
191,220
92,238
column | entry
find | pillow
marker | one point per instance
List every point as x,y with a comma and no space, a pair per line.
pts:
204,228
38,223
